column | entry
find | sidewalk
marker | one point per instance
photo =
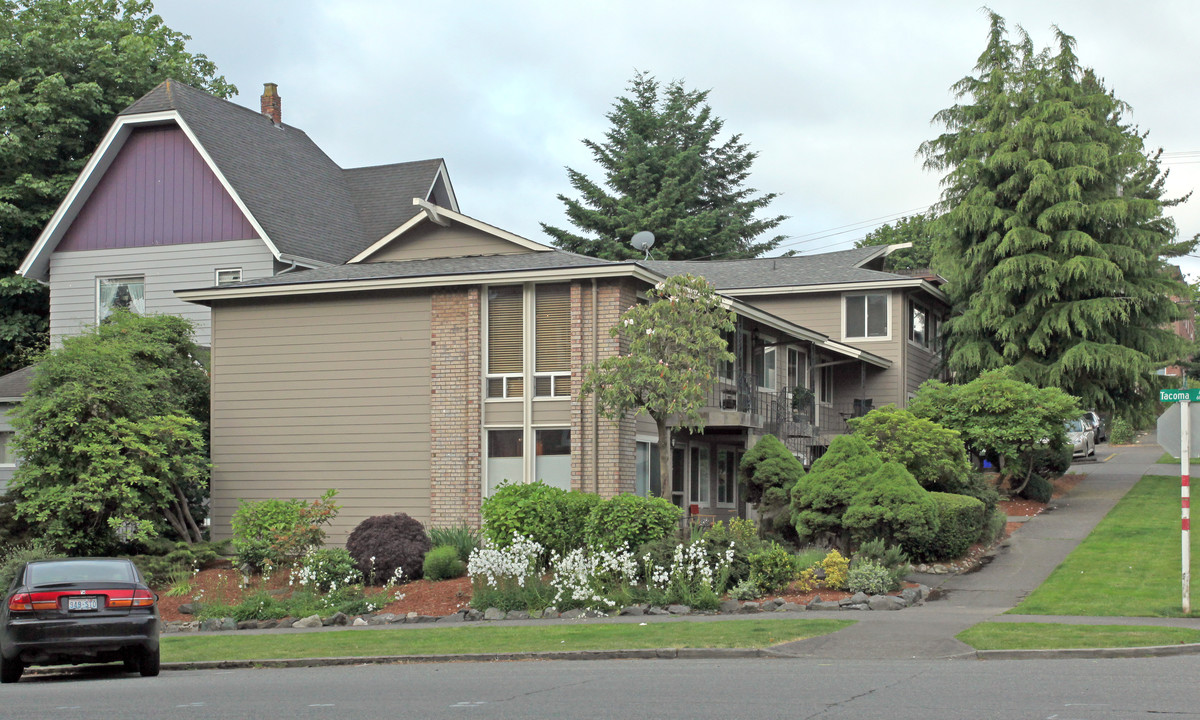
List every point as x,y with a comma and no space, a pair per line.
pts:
1022,563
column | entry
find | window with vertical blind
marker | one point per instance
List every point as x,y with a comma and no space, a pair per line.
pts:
506,342
552,340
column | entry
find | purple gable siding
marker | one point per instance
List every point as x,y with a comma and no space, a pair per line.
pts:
158,191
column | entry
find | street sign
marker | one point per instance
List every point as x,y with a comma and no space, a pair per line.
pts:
1168,427
1177,395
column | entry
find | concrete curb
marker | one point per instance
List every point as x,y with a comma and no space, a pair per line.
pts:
646,654
1090,653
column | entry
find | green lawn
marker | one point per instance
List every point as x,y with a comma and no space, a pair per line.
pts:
755,633
1051,636
1130,564
1166,459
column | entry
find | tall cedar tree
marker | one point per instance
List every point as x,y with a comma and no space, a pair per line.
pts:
670,349
665,172
66,68
1054,229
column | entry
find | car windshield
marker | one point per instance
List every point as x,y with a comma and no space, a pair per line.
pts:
1075,426
61,571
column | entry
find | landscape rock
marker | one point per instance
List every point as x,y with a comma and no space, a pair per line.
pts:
886,602
311,621
750,607
824,605
359,622
338,618
730,606
381,619
455,618
790,607
633,610
573,614
657,611
493,614
678,609
248,625
189,608
516,615
858,598
472,615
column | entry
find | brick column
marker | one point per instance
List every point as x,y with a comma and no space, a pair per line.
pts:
456,376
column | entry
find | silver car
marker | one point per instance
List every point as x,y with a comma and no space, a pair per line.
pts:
1082,435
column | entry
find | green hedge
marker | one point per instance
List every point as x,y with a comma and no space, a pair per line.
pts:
553,517
961,521
630,519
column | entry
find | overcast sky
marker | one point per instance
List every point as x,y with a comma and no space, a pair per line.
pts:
834,96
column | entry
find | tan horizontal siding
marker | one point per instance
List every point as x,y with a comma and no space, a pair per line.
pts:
433,241
319,393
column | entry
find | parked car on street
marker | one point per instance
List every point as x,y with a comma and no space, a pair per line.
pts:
1082,435
1101,427
78,610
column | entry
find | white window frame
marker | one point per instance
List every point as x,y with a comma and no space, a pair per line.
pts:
651,466
217,275
100,279
7,449
866,316
769,359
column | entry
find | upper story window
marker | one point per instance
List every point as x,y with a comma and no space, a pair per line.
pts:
762,364
541,313
116,293
866,316
923,327
226,276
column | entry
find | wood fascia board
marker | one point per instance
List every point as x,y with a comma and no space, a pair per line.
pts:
827,287
882,250
450,215
444,174
802,333
237,199
37,261
205,295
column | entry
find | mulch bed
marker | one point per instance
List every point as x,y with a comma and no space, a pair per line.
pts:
224,584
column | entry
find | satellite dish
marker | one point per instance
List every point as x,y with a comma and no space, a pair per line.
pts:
643,241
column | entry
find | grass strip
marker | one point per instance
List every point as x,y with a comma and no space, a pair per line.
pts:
755,633
1130,564
1166,459
1052,636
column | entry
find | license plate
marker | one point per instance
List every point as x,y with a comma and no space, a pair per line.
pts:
83,603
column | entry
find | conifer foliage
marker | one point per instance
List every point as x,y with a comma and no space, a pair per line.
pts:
667,171
1054,232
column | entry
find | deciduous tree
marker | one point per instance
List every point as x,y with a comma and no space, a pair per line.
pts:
67,67
670,348
667,170
112,437
1054,229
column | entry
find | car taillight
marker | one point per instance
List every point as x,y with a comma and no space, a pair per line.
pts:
21,602
134,598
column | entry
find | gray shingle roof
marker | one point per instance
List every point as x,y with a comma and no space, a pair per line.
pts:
823,269
551,260
16,383
309,207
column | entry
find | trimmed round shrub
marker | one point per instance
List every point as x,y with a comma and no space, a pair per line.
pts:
934,454
994,528
630,519
772,568
892,506
384,544
869,577
553,517
821,497
961,520
1038,489
443,563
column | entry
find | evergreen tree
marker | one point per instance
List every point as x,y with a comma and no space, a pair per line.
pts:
66,68
666,171
1054,233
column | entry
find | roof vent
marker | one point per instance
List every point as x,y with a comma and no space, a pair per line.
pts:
272,106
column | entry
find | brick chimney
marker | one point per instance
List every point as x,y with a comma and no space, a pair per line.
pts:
272,106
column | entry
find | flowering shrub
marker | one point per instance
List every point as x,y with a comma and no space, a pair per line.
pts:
276,532
326,569
511,578
831,572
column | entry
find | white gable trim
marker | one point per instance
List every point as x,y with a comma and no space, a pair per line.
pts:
432,210
37,263
841,287
445,176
